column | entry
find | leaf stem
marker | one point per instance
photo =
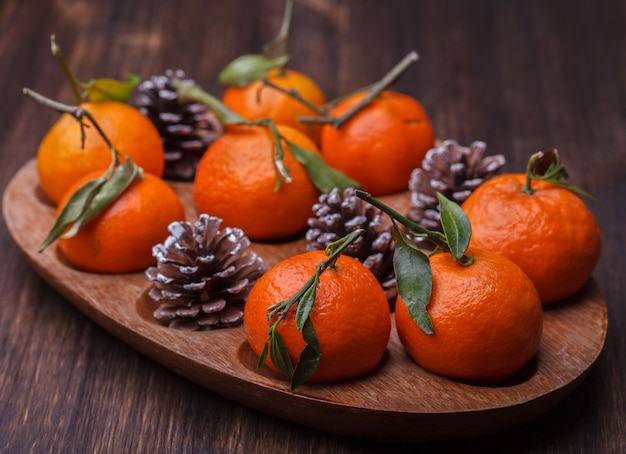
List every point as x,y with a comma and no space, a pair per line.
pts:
78,113
56,51
378,87
296,95
547,166
527,189
436,237
333,250
188,91
283,33
373,91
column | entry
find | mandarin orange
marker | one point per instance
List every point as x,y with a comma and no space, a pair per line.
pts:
62,159
381,145
550,234
257,100
120,238
350,315
487,319
236,178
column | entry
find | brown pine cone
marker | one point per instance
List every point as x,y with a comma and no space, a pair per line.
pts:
338,214
203,275
187,129
452,170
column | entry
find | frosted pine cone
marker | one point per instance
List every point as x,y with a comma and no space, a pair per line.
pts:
452,170
203,275
187,129
337,215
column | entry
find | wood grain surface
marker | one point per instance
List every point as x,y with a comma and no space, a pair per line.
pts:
522,76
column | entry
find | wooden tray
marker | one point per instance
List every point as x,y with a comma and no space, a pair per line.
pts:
398,401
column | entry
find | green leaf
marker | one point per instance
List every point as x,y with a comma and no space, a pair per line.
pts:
547,166
263,356
279,159
249,68
279,355
76,205
324,178
110,89
123,175
456,226
309,357
574,189
188,91
414,279
303,309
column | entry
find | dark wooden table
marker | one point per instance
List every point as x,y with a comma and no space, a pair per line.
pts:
522,76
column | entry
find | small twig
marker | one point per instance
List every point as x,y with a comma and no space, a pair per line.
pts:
378,87
283,33
296,95
435,237
56,51
373,91
75,111
334,250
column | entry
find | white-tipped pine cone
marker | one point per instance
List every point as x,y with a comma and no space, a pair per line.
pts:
186,129
336,215
203,275
452,170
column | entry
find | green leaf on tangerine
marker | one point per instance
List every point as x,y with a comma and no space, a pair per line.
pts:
249,68
324,178
263,356
73,209
188,91
111,89
456,226
123,175
280,170
279,354
303,309
309,357
414,279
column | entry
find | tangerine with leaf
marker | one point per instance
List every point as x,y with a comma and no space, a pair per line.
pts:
236,180
486,319
63,158
261,87
74,146
540,223
464,313
283,95
378,136
108,221
120,238
318,317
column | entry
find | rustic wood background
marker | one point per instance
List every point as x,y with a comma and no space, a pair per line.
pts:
522,76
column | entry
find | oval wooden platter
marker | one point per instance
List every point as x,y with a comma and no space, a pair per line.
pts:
398,401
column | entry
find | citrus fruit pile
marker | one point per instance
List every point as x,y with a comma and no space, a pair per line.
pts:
471,310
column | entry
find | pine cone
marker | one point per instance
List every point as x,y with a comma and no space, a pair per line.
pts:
452,170
337,215
203,275
187,129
